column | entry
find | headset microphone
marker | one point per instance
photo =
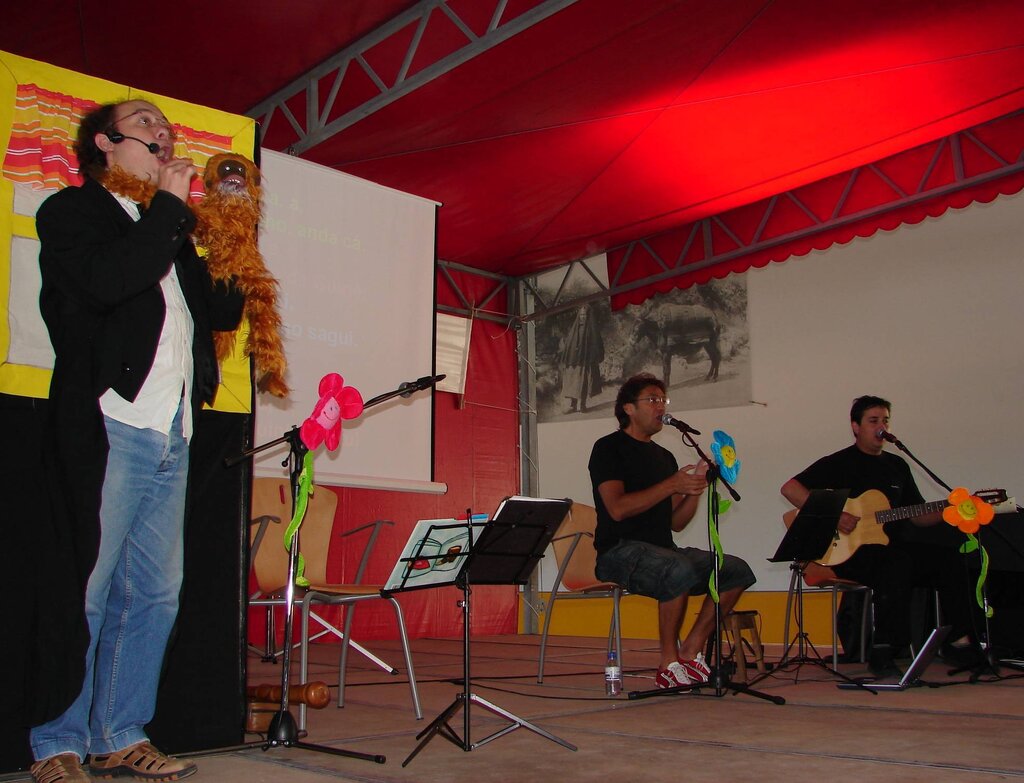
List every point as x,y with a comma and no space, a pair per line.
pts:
116,137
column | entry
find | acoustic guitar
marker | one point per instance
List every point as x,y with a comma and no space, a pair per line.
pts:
874,511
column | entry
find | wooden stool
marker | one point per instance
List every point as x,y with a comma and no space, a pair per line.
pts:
735,624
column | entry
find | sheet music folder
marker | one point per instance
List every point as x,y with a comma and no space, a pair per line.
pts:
503,551
813,529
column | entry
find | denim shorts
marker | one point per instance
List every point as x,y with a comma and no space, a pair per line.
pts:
663,574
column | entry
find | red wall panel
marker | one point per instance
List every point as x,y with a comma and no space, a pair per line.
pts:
476,453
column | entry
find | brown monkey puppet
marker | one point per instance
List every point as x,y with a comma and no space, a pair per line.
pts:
227,220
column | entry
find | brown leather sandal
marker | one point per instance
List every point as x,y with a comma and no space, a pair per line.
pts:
142,761
63,768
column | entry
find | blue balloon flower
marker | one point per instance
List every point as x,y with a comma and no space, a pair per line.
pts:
724,450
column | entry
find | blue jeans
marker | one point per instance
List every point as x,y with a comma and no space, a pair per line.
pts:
131,599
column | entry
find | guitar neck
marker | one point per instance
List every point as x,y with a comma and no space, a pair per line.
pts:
906,512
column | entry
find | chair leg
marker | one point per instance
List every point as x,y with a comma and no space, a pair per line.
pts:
408,657
544,635
270,652
866,623
758,649
835,628
617,624
732,626
346,635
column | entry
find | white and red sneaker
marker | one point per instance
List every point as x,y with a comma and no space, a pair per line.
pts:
672,676
697,670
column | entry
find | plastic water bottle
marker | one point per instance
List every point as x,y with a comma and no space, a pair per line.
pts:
612,675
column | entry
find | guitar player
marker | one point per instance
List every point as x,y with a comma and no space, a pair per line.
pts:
892,570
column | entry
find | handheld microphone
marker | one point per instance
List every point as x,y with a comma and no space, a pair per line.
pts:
116,137
682,426
886,435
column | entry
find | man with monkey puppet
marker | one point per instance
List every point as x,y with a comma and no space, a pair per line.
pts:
133,315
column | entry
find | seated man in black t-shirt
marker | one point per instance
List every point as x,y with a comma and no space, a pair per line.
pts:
642,498
892,571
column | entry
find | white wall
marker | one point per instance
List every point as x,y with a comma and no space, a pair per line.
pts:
927,316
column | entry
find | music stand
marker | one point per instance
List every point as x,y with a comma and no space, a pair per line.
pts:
506,553
807,540
814,527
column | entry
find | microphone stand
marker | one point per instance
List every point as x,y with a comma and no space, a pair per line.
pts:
283,729
991,663
899,444
719,676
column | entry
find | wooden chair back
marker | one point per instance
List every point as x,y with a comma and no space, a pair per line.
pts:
575,541
272,497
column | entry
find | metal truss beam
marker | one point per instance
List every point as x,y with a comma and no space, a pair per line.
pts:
701,231
467,306
314,127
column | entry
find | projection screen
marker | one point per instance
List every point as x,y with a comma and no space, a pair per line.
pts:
355,262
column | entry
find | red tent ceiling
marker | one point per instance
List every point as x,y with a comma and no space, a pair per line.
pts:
605,122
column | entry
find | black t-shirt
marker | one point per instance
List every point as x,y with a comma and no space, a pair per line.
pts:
638,465
852,469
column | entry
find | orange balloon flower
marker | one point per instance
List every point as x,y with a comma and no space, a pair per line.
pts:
966,511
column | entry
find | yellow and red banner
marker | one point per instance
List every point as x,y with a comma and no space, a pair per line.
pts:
40,109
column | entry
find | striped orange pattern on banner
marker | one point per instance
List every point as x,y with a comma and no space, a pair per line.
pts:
40,151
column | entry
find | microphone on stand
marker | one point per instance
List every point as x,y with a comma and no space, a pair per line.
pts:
116,137
888,436
408,387
682,426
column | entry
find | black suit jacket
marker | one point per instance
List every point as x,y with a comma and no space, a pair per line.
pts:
103,308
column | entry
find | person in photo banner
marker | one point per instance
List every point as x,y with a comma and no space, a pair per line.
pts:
130,311
582,354
892,571
643,497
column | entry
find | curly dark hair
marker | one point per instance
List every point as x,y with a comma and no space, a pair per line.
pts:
861,404
92,161
628,392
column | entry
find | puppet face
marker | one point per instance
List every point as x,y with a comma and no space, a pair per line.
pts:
232,175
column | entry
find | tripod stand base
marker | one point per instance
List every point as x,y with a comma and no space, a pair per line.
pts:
721,685
440,726
987,665
283,732
803,642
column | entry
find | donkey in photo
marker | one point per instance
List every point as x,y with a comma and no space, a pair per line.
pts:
680,330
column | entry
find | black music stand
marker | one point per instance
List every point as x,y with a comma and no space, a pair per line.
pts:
506,553
807,540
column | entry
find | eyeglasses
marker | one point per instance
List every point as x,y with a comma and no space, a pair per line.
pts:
655,400
147,119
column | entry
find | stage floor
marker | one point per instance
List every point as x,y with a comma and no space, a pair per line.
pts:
963,732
